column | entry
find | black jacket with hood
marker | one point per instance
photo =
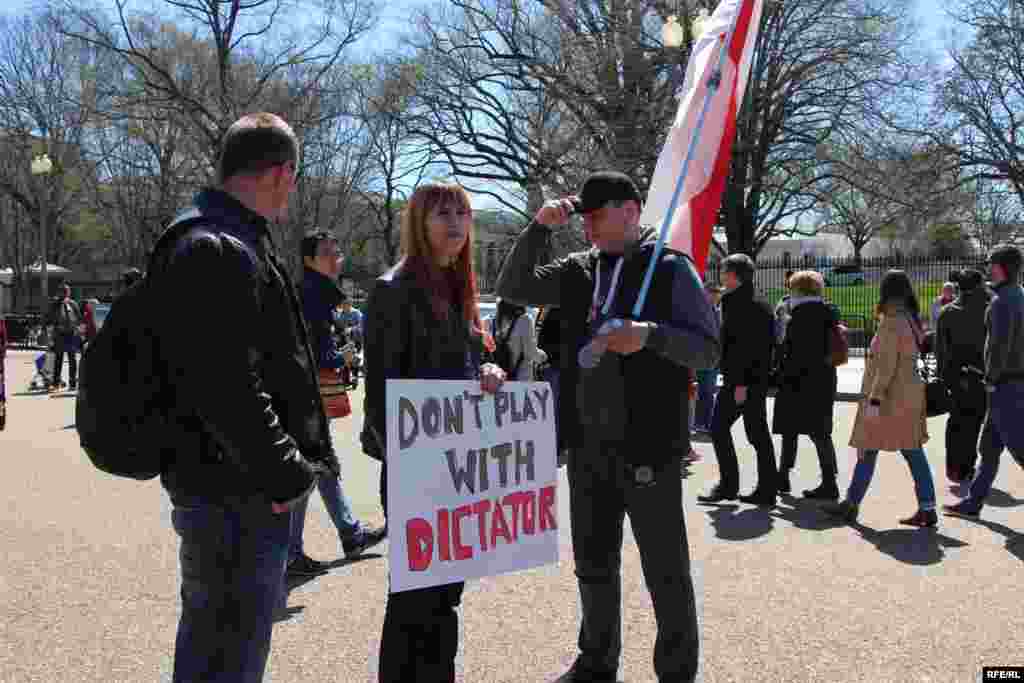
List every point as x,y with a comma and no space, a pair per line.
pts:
642,397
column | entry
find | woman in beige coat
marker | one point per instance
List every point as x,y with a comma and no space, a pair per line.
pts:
891,414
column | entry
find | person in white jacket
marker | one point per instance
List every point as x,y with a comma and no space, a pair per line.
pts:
512,325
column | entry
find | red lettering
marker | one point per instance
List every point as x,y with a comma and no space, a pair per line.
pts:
462,552
444,539
547,504
481,508
499,527
515,501
419,539
529,512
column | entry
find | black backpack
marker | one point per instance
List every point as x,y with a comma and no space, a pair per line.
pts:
502,356
124,399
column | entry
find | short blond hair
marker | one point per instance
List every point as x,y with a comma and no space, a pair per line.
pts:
807,283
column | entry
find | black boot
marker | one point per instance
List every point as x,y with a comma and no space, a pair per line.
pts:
827,491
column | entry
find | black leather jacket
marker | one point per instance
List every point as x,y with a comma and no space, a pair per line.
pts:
237,350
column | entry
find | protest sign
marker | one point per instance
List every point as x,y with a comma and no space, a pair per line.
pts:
471,480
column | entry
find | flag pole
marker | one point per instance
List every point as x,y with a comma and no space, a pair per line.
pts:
714,82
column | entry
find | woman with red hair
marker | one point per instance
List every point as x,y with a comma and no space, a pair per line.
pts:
422,322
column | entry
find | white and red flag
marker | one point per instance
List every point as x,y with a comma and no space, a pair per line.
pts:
699,144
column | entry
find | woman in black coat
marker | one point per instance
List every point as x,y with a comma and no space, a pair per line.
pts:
423,322
807,383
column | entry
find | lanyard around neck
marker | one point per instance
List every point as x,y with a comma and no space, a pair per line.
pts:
612,288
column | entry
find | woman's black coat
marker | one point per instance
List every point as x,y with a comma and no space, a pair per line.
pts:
807,380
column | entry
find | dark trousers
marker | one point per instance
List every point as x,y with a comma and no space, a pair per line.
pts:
755,422
963,427
65,344
1004,429
421,635
707,385
826,454
232,566
601,494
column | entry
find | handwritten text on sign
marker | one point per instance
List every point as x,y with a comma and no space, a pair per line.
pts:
471,480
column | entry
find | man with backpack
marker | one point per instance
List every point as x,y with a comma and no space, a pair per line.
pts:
65,317
236,419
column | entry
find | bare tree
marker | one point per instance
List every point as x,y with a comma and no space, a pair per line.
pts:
48,99
534,95
821,69
981,100
238,56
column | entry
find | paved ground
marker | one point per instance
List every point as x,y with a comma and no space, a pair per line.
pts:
88,579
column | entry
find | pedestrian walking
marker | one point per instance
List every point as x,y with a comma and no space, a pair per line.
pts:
251,431
1004,378
320,295
807,383
891,416
422,322
960,358
748,343
626,439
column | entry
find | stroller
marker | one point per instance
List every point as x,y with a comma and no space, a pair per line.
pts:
43,378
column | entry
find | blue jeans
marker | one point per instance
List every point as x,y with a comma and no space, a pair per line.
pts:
707,387
924,486
1003,430
338,508
232,567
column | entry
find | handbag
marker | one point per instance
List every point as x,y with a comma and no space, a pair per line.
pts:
937,398
333,394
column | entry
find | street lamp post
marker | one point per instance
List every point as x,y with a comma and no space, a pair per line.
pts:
42,166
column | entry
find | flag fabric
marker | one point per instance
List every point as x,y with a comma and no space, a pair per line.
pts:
736,23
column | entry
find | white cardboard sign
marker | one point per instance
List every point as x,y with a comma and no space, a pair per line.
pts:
472,480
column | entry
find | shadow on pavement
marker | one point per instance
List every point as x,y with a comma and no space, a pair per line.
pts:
1001,499
919,547
1014,539
804,514
743,526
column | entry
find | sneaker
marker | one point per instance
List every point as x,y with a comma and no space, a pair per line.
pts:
965,508
304,565
363,540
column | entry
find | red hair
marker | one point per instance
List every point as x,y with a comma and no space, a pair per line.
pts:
445,286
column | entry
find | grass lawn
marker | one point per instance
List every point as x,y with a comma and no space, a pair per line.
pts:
857,302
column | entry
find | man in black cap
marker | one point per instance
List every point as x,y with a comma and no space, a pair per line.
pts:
1004,378
960,353
622,394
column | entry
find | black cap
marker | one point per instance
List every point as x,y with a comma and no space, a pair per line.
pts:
606,186
970,279
1007,256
